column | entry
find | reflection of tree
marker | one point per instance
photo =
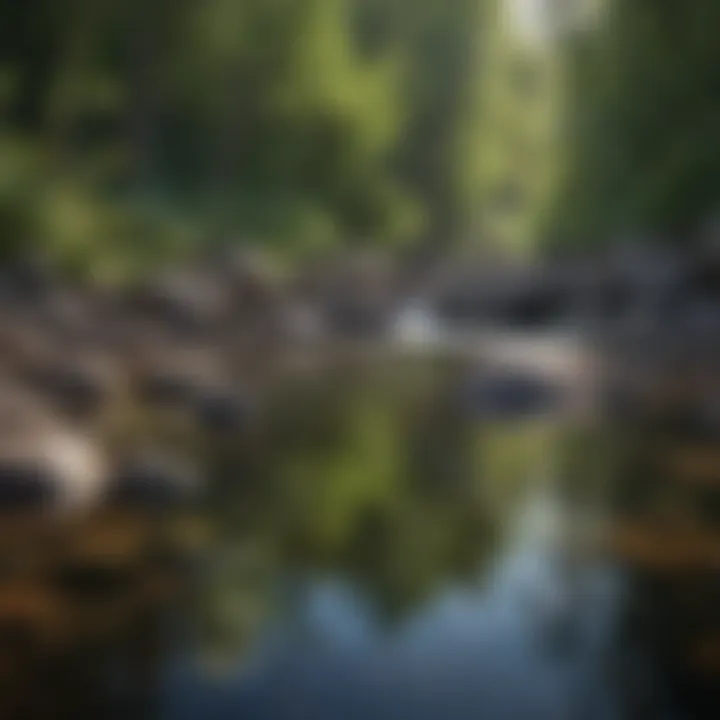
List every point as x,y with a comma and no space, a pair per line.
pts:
403,555
512,458
343,466
235,601
376,476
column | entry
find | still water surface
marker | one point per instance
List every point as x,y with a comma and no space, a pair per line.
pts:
384,541
398,555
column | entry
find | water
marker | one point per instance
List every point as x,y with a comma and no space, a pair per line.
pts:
371,548
406,583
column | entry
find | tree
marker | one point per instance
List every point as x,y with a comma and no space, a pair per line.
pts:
644,104
516,147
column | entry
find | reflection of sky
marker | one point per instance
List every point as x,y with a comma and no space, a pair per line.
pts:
516,647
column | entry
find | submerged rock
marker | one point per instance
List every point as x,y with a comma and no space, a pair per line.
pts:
512,395
222,411
26,486
153,481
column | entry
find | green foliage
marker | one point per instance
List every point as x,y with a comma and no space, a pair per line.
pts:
373,476
643,153
305,124
301,123
515,140
259,118
438,41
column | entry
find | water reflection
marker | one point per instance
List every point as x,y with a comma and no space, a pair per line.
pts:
417,557
366,547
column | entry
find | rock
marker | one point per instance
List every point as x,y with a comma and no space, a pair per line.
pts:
43,459
416,324
252,282
222,411
153,481
183,303
168,387
79,386
29,279
59,472
356,294
531,302
511,396
68,315
78,464
26,486
300,323
170,376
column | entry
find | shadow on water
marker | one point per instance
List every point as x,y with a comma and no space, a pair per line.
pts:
387,542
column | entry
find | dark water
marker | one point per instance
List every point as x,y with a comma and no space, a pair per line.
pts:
374,548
